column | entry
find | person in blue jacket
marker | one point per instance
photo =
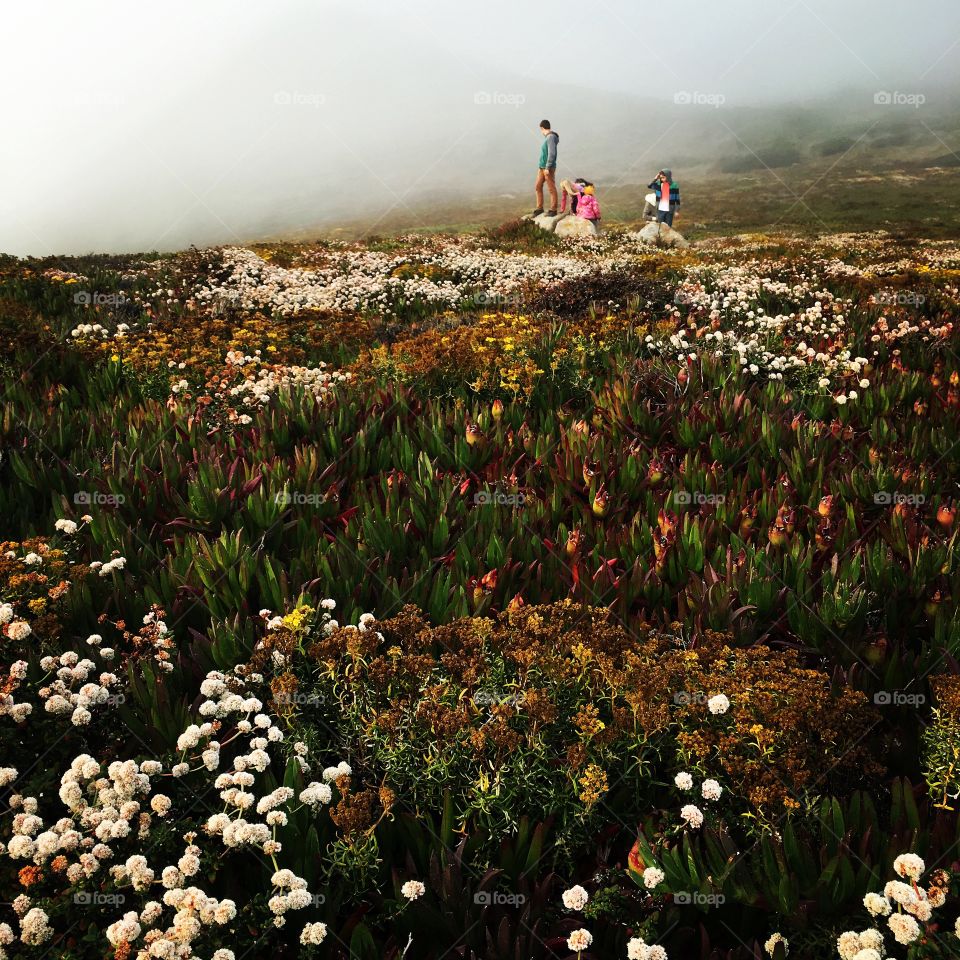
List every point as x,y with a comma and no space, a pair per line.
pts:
547,173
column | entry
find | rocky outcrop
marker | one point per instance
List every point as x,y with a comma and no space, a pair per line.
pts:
661,235
576,227
548,223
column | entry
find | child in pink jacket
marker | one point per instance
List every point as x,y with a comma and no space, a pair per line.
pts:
587,206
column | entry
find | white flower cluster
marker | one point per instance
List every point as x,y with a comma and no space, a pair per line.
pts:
639,949
111,812
726,317
35,927
115,563
904,906
575,898
710,789
653,877
90,331
18,712
72,691
292,895
774,941
263,382
358,280
313,933
363,280
579,940
413,889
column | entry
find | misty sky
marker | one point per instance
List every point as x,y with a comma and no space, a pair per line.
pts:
133,126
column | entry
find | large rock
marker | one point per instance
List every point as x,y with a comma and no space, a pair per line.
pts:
548,223
662,235
576,227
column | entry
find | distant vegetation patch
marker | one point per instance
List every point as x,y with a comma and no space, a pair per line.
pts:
780,155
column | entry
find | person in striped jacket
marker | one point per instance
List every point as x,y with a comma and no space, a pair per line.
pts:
667,192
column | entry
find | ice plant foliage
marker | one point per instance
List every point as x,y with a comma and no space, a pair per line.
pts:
496,594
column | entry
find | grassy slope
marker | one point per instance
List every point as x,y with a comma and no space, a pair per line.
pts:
801,198
810,171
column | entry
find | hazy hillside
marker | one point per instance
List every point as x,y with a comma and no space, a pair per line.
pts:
830,165
246,129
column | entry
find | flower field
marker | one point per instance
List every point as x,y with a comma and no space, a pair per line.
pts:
496,597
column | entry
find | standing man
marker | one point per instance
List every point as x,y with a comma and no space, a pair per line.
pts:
548,169
668,196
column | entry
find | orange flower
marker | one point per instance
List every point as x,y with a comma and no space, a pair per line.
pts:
28,876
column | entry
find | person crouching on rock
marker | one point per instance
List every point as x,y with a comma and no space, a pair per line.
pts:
548,169
572,190
587,207
668,196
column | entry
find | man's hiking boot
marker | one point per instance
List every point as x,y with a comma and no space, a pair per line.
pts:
551,213
537,212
